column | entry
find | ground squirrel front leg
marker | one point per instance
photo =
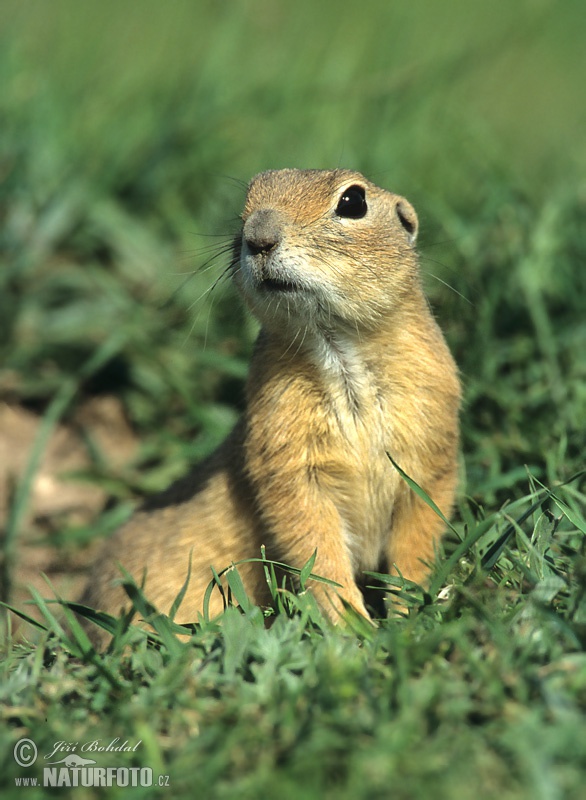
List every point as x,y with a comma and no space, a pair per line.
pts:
301,522
417,530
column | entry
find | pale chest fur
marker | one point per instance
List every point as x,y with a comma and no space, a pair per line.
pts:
361,430
323,426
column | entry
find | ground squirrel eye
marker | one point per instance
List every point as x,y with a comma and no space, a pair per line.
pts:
352,203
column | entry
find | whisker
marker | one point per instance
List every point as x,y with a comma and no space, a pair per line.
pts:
205,267
291,343
448,286
225,274
214,249
302,342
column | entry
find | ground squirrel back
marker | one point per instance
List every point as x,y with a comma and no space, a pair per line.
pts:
349,368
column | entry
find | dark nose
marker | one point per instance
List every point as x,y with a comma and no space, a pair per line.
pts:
262,231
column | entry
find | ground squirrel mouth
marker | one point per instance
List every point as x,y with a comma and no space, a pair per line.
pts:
277,285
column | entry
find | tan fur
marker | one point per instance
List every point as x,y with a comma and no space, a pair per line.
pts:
349,366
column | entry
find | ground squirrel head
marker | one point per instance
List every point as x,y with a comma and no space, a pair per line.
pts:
325,248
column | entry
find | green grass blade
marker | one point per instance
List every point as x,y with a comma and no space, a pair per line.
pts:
236,587
214,585
307,570
422,494
577,520
151,615
19,613
179,599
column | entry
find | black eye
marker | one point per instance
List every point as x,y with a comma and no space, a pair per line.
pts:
352,203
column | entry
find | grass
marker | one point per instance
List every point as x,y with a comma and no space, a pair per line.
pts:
124,145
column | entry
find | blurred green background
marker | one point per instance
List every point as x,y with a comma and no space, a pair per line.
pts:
128,131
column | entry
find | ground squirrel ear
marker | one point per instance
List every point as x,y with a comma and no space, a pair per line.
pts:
408,218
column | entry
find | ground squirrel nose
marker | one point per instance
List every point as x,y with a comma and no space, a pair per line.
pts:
262,231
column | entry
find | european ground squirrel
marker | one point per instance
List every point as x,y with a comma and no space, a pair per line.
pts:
349,368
